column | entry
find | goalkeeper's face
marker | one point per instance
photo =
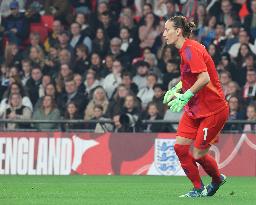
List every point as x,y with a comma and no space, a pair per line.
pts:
171,33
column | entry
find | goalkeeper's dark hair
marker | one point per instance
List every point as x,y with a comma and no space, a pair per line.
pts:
183,23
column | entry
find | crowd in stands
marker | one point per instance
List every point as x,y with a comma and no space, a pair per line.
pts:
107,59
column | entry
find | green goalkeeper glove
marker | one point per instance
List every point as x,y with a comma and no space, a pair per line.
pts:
180,101
171,93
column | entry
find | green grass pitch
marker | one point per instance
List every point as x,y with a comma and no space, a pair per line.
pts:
118,190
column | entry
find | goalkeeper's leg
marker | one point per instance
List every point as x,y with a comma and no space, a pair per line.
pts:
188,164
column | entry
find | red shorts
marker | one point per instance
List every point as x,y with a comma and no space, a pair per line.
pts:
204,131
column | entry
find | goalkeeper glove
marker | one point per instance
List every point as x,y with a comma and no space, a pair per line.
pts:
180,101
171,93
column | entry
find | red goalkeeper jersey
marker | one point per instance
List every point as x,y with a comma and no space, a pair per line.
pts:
210,99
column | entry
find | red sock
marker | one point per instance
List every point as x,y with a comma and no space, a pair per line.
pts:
188,164
210,167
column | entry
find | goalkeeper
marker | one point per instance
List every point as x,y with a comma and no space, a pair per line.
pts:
206,109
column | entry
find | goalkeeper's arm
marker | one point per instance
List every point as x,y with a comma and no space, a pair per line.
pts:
202,80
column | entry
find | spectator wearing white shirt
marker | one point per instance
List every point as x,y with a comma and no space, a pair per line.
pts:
113,79
146,94
243,39
78,38
140,79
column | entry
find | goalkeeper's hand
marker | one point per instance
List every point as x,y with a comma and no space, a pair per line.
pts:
171,93
180,101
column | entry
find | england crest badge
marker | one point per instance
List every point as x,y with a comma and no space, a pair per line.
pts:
166,161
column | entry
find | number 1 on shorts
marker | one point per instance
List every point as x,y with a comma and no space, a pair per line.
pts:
205,133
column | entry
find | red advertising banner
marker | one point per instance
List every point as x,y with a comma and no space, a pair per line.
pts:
57,153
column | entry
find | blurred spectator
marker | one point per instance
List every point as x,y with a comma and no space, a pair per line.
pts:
233,89
128,82
64,74
243,39
128,45
84,6
77,38
130,115
249,90
63,42
12,55
4,80
250,21
146,94
236,112
34,40
116,52
214,53
96,65
113,79
128,22
97,114
52,63
117,101
207,33
225,78
46,79
159,7
150,58
117,124
52,39
34,83
158,99
36,56
220,37
94,21
90,83
47,111
82,61
108,62
79,82
243,51
232,35
147,8
172,72
142,70
49,90
99,98
82,19
72,95
5,8
167,53
189,8
200,16
227,15
250,116
100,127
60,9
15,110
237,73
72,113
152,113
15,88
33,12
171,8
64,56
149,31
100,43
16,25
111,27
